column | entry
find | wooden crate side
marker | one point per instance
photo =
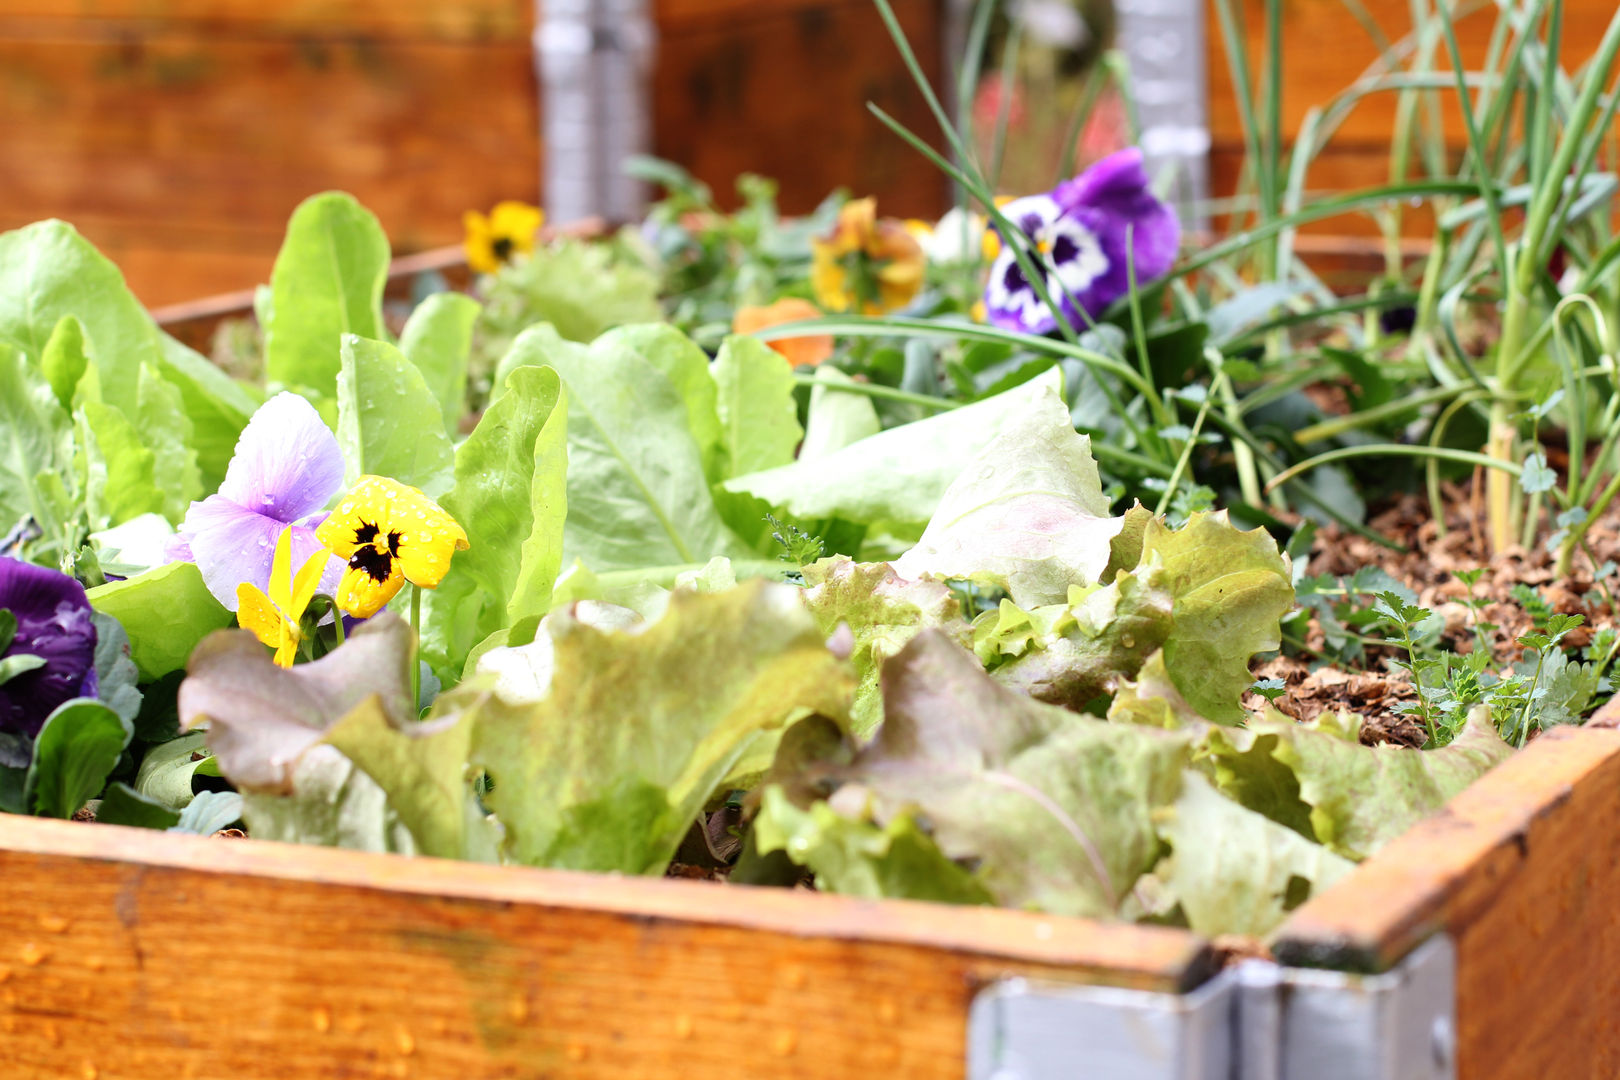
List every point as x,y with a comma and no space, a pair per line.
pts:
1522,869
148,956
784,92
436,20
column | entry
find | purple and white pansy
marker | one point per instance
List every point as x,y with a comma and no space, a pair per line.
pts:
286,469
1090,233
54,626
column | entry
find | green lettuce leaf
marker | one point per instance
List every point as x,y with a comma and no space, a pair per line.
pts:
389,423
64,360
610,768
637,493
165,612
422,768
1104,638
858,858
883,611
1232,870
218,406
759,421
511,496
580,288
836,419
896,477
327,282
36,440
1359,797
120,472
1027,514
1231,590
1052,808
74,753
437,341
687,368
48,271
261,719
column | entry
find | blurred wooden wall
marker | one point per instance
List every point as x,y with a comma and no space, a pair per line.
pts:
179,134
1326,50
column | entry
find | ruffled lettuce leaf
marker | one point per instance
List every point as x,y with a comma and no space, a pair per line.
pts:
637,728
1026,515
1053,810
1233,871
882,611
1358,797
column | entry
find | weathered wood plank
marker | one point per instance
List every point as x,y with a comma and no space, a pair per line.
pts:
785,96
148,956
1522,870
431,20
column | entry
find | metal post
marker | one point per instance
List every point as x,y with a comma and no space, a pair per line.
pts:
1164,41
594,59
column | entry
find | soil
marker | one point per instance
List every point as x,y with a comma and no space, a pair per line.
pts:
1429,565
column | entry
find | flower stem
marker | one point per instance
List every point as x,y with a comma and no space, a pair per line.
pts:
416,645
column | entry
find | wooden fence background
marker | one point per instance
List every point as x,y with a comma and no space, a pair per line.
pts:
179,134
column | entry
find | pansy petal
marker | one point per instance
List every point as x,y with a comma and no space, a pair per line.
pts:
255,612
308,581
287,462
363,596
232,545
280,591
54,623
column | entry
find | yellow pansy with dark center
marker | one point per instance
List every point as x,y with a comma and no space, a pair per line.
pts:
388,533
508,230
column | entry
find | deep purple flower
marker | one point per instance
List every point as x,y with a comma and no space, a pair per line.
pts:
54,624
286,468
1081,231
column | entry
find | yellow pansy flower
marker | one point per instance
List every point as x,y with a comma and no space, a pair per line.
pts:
388,533
509,229
277,619
865,264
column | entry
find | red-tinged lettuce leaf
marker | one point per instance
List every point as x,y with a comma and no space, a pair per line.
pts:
883,611
1152,700
610,768
1230,590
1027,514
1108,635
1233,871
261,719
1052,809
896,861
422,767
1358,797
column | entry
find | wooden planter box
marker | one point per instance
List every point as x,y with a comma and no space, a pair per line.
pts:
148,956
178,135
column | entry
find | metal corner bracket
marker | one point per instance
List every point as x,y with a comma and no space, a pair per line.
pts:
1255,1021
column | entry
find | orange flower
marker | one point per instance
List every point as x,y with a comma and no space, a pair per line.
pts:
865,264
800,351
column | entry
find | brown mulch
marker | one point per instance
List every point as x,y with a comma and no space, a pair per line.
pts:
1429,566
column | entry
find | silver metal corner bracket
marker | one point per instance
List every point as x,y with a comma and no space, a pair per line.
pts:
1256,1021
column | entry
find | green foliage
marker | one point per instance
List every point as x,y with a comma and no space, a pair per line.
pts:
581,289
389,422
74,753
437,340
165,612
327,283
511,496
759,423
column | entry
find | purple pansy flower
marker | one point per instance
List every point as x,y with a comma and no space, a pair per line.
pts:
54,624
1080,230
286,468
